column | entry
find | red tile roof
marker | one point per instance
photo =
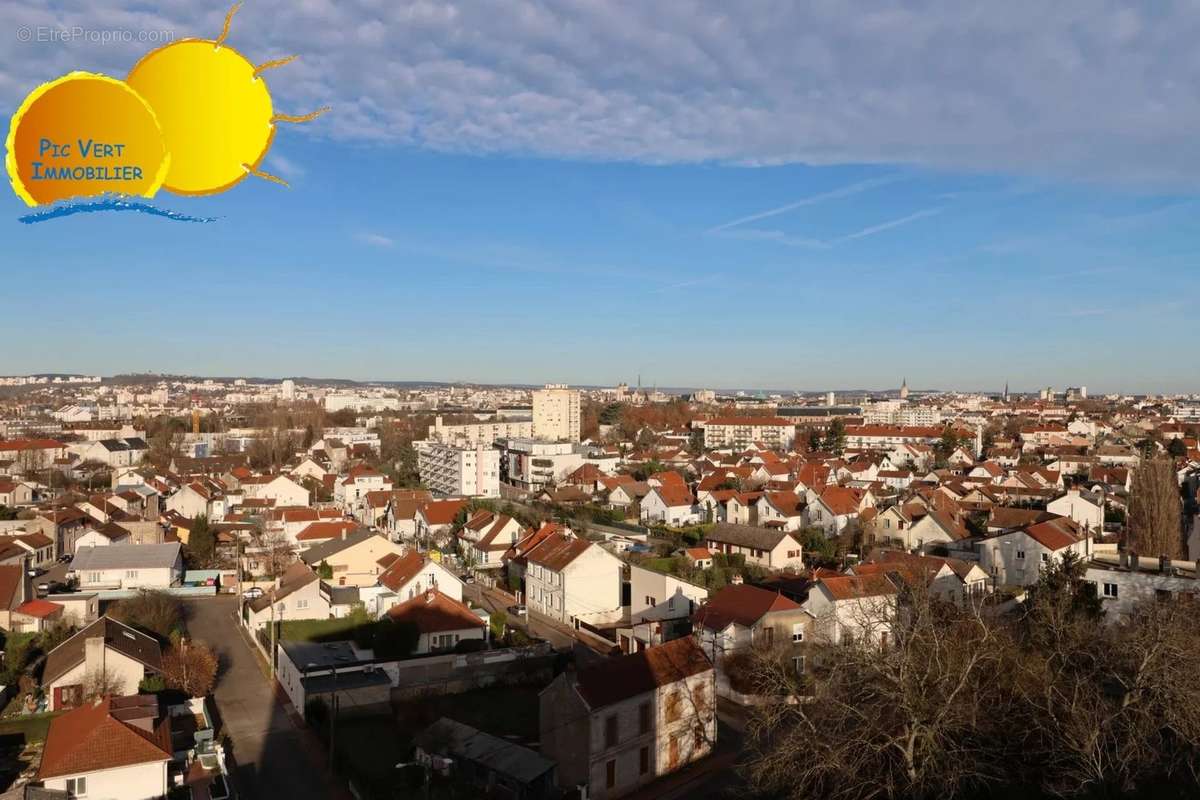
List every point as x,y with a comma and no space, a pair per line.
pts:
38,608
89,738
616,679
433,612
327,530
556,552
850,587
442,512
744,605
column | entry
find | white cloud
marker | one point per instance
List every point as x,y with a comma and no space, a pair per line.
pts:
375,239
1092,89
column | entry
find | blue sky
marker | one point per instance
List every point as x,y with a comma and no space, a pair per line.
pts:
514,200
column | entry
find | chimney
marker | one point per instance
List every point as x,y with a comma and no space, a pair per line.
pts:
430,594
93,655
1134,562
1164,564
1124,559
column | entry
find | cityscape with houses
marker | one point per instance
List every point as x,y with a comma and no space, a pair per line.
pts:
599,400
299,588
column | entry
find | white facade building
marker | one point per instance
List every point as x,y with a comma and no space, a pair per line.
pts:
459,470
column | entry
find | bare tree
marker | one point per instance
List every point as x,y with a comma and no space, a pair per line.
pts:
1101,707
1155,509
102,682
915,718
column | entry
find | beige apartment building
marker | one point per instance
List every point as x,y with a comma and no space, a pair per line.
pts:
556,413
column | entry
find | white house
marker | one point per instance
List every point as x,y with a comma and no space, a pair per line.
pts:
657,600
122,653
486,537
442,622
854,608
135,566
280,488
1085,508
102,750
411,574
570,578
1017,558
672,504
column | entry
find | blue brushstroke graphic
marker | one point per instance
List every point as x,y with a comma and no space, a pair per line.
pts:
70,209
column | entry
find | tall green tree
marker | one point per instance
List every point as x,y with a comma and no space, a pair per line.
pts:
835,437
202,541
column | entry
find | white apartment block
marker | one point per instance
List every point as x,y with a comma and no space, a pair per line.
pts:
459,470
742,432
556,413
481,433
900,412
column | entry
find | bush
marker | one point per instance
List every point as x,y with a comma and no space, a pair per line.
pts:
470,646
498,620
152,684
191,668
156,613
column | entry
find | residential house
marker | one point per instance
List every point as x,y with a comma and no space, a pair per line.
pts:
435,519
1016,558
283,490
1086,508
296,595
670,504
836,507
411,574
442,621
618,724
486,537
122,654
767,547
738,617
568,579
353,561
140,566
14,494
101,750
660,607
783,510
14,591
853,608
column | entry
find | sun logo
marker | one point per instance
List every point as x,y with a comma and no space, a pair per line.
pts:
214,110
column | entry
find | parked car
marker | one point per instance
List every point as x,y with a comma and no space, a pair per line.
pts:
43,589
65,558
253,593
467,577
518,610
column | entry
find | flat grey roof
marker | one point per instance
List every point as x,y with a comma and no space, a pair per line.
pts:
125,556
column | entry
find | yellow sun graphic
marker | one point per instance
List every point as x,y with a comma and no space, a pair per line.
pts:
214,109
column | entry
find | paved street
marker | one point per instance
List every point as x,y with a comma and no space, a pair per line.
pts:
274,757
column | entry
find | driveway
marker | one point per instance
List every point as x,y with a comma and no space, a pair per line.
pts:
533,624
274,756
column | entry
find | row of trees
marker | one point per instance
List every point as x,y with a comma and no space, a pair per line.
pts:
1051,700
